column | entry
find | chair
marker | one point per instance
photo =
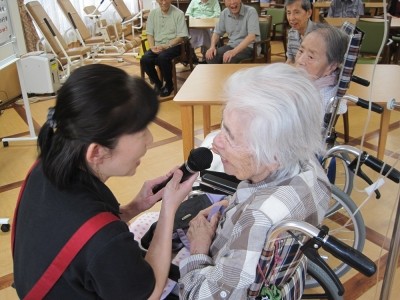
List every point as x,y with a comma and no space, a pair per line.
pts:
73,17
97,42
374,35
255,4
184,58
265,43
54,39
279,24
100,25
134,20
395,49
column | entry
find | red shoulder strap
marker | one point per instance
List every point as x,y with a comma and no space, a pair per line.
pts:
67,254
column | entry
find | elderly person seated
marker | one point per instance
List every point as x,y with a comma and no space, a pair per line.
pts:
269,139
240,23
321,54
202,9
298,13
346,9
166,29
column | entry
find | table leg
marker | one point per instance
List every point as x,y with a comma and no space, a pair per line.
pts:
187,116
206,119
315,16
383,132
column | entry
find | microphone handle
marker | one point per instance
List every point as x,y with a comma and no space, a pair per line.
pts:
186,174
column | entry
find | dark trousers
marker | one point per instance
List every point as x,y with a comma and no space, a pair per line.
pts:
149,61
218,58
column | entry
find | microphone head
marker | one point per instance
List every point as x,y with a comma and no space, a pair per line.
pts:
199,159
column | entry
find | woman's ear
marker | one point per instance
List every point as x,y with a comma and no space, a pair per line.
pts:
332,67
95,153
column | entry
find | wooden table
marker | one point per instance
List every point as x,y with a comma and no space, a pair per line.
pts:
207,23
395,23
385,86
203,87
317,6
338,22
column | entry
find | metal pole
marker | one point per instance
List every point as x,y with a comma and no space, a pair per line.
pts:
393,257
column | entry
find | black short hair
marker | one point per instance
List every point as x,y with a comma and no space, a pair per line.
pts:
98,103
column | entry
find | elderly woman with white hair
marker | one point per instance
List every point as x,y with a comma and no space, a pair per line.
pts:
269,138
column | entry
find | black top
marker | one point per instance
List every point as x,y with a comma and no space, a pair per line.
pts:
109,266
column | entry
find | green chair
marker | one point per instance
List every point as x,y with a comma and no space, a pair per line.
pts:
279,24
374,29
265,43
255,4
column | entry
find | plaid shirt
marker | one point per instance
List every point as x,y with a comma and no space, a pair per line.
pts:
231,268
346,9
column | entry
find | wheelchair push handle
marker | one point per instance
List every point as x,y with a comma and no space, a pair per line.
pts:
349,255
359,80
374,163
379,166
364,103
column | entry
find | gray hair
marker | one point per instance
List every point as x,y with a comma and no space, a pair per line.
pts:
305,4
283,112
335,39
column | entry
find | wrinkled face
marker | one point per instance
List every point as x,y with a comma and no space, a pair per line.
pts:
297,16
234,6
164,5
125,157
312,57
231,144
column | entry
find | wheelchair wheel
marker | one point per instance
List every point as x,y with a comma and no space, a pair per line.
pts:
345,225
338,172
327,288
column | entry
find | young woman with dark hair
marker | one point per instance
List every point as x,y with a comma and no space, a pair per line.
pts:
97,129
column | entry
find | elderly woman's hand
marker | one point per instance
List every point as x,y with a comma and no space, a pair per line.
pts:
201,232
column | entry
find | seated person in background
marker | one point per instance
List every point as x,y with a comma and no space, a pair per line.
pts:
321,55
98,129
394,8
269,139
202,9
346,9
298,13
166,29
241,24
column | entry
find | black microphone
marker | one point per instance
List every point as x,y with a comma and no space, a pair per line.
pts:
199,159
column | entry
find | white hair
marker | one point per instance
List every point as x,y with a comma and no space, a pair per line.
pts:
283,112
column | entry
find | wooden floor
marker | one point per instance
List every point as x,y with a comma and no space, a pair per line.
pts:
166,152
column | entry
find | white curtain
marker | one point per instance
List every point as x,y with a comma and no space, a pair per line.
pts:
61,22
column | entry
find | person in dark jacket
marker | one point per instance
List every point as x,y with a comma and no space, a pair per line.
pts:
98,129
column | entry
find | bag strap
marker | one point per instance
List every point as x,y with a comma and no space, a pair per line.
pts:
67,254
69,250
